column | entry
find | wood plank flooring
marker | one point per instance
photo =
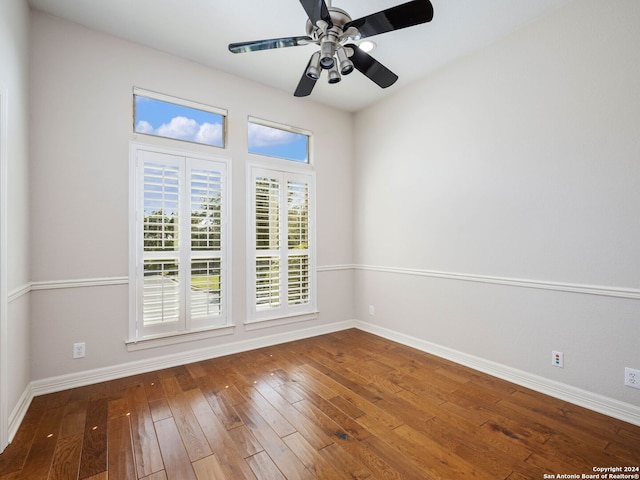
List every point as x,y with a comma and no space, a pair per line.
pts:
347,405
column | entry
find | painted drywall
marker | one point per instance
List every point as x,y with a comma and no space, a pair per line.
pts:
520,162
14,78
81,110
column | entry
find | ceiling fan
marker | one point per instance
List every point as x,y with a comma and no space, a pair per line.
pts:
334,31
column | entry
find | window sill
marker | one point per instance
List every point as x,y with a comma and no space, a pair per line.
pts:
176,338
274,322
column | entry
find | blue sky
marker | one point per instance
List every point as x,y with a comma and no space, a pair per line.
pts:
156,117
275,142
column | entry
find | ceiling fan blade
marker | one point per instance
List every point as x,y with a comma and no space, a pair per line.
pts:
394,18
305,85
372,68
316,10
256,45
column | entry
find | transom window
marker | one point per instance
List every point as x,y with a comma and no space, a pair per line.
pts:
164,116
279,141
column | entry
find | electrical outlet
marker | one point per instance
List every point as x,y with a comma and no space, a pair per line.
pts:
557,359
372,310
78,350
631,377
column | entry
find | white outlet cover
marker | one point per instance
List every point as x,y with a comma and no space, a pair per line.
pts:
631,377
79,350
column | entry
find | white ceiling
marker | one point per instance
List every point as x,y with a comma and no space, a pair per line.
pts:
200,30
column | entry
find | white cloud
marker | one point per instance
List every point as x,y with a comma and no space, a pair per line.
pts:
184,128
144,127
179,127
210,133
261,136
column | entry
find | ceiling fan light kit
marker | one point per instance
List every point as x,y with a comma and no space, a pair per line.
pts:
346,65
331,28
313,70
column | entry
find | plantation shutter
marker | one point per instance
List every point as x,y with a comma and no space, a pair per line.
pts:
267,235
181,242
281,232
207,269
298,242
161,282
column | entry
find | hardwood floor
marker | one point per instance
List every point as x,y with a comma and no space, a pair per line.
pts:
348,405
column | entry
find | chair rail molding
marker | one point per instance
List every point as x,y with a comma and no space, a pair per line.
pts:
607,291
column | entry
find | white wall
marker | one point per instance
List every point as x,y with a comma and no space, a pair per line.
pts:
520,162
14,44
82,112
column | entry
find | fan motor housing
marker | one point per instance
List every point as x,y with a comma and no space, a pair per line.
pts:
338,17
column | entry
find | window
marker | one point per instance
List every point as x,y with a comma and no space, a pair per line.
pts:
164,116
275,140
179,281
282,244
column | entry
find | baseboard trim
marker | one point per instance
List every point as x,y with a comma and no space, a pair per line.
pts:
592,401
577,396
20,410
88,377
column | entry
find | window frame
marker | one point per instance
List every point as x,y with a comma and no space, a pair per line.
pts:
141,336
284,314
137,91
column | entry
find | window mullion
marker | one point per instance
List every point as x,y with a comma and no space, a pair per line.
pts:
284,242
253,238
207,273
139,242
184,244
